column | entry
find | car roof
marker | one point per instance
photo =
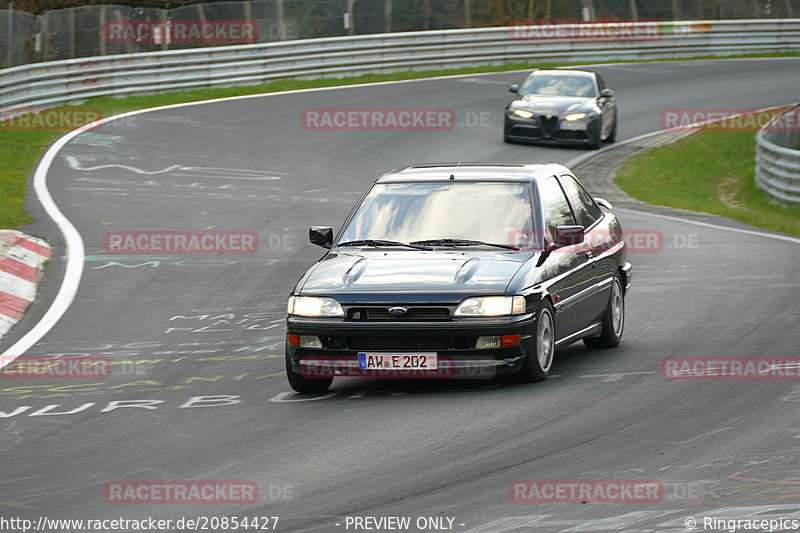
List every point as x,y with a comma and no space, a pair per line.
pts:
561,72
522,172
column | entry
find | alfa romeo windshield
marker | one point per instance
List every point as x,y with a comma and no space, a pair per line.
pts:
559,85
444,214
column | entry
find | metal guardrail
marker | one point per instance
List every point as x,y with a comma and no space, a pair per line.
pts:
76,80
778,156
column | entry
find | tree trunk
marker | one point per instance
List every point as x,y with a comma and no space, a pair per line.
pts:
71,33
281,21
103,17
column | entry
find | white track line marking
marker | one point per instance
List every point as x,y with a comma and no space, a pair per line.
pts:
778,236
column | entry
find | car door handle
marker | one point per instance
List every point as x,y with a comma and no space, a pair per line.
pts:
589,257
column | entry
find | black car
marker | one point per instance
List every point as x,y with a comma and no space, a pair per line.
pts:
441,268
562,106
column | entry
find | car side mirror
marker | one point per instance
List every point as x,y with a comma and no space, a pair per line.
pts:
568,235
605,204
321,236
606,93
513,88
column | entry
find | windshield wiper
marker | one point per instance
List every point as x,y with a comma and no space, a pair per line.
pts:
463,242
376,242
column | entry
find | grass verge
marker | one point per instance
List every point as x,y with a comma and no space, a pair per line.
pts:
20,150
710,171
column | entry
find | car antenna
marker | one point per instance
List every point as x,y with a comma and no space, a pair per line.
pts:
453,175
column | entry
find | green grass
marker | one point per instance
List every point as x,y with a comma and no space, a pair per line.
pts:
710,171
20,150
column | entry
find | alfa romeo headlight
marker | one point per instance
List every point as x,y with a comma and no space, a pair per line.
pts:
491,306
313,306
522,113
575,116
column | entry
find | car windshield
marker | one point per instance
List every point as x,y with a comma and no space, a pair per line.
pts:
559,85
492,212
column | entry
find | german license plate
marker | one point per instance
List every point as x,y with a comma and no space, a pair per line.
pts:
573,126
398,361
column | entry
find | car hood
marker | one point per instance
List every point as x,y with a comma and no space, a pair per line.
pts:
380,276
551,105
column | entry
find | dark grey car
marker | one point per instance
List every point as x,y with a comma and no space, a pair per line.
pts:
564,107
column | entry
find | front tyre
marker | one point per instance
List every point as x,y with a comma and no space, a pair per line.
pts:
537,364
596,139
612,137
302,384
613,318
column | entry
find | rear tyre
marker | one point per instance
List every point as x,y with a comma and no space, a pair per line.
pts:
537,364
613,319
302,384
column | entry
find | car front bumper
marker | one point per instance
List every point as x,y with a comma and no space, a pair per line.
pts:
453,342
538,129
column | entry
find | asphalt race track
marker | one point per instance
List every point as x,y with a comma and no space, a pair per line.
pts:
202,335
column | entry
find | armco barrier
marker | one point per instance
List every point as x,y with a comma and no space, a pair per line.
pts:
75,80
778,156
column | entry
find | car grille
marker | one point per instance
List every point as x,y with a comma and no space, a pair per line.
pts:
572,135
408,342
526,131
549,125
412,314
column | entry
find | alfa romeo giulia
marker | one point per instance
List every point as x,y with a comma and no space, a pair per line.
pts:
562,106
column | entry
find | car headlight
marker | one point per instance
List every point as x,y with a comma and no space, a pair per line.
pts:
575,116
491,306
523,113
313,306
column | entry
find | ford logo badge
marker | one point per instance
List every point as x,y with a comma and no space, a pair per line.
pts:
398,310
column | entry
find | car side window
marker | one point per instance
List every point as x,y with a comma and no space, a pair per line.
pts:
586,210
555,208
600,83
